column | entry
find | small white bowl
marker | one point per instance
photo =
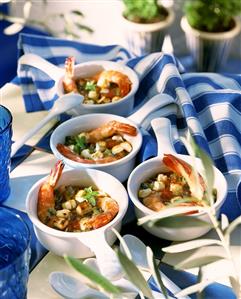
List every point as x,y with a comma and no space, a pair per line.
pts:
70,243
122,107
152,167
120,168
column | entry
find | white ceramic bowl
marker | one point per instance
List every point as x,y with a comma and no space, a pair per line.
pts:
120,168
154,166
122,107
71,243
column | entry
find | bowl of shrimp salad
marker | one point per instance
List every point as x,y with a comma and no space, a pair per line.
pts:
69,206
107,87
158,184
101,141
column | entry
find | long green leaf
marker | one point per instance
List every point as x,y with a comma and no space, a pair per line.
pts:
179,222
194,288
92,275
134,275
232,226
123,243
185,246
155,271
169,212
224,222
198,262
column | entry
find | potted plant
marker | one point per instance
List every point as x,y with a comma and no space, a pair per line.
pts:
146,22
210,27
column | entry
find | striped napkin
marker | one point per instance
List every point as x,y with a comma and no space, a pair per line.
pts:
208,103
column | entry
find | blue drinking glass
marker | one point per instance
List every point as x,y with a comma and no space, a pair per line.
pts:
14,255
5,151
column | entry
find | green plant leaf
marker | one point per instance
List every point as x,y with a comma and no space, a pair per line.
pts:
155,271
84,27
169,212
123,243
134,275
224,222
179,222
77,12
198,262
185,246
92,275
233,226
198,287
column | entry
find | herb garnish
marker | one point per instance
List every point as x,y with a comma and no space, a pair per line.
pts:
90,195
90,85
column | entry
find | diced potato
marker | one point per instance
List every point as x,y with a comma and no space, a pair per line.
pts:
100,146
85,224
79,196
144,192
126,146
115,99
92,94
117,138
105,90
176,189
60,223
83,208
69,204
97,155
117,149
158,186
63,213
162,177
89,102
86,154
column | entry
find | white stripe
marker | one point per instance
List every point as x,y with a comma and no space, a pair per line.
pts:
223,145
233,180
222,81
219,112
69,51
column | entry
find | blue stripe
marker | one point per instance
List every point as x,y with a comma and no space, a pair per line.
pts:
228,162
200,79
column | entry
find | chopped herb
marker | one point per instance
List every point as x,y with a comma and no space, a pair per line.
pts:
90,85
90,195
51,211
145,186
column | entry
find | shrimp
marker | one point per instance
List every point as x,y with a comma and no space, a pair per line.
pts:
46,193
110,76
154,201
182,168
109,207
109,129
69,84
68,153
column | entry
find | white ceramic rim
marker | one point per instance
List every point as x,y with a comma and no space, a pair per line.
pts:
211,35
148,211
134,80
151,26
54,232
121,161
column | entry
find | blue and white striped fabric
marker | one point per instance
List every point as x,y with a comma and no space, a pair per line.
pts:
209,104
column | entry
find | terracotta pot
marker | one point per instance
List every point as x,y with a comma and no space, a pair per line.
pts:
146,38
209,50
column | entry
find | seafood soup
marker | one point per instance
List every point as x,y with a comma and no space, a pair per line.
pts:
73,208
99,146
104,87
173,188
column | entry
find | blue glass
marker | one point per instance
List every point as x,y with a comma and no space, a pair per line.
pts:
5,150
14,255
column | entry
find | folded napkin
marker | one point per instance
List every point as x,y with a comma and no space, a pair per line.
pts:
208,103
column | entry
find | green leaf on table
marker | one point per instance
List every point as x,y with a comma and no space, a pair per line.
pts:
198,262
92,275
169,212
224,222
155,271
77,12
185,246
134,275
179,222
198,287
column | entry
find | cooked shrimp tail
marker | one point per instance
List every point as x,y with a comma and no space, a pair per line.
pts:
69,82
46,192
110,209
182,168
68,153
109,129
120,79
